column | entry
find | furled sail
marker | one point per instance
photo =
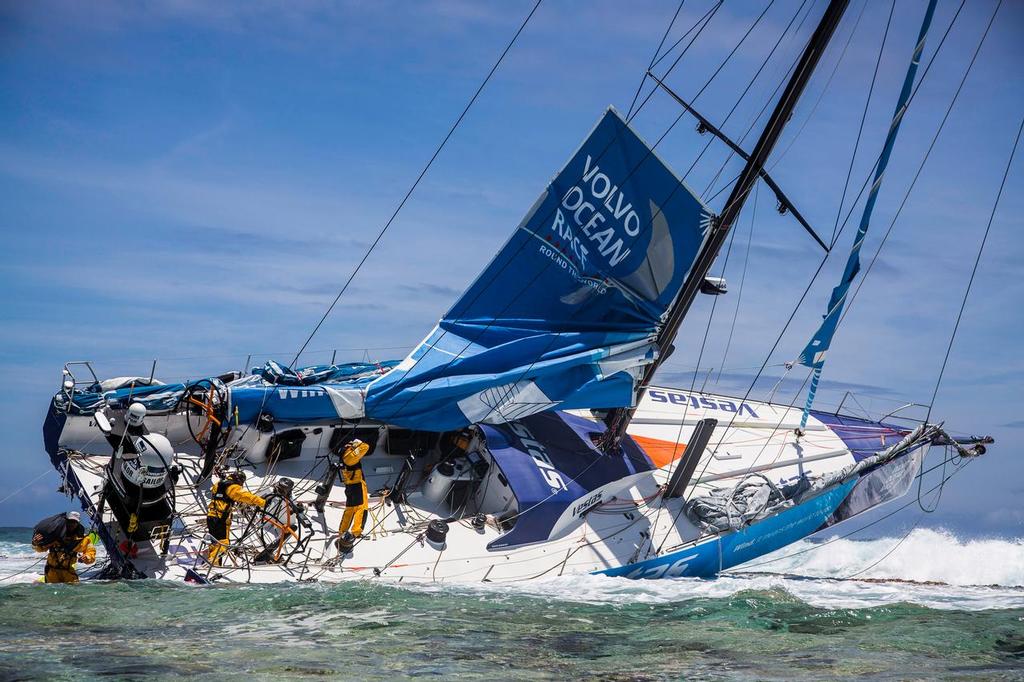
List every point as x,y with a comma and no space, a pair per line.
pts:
566,313
814,352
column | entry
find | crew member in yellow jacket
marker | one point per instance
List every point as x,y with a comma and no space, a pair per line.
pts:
225,494
75,546
356,499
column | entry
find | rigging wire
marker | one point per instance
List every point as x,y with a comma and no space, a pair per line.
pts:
711,12
817,272
722,66
824,259
707,18
657,52
743,278
821,95
416,183
863,118
400,206
25,486
974,270
525,288
743,94
512,386
920,169
810,115
717,71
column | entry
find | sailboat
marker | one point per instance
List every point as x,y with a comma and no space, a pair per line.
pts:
524,436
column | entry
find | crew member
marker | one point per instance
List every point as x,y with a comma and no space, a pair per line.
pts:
356,499
226,492
63,553
280,515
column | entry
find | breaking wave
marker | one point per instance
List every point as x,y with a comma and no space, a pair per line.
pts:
925,555
930,568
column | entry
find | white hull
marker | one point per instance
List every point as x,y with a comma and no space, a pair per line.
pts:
631,526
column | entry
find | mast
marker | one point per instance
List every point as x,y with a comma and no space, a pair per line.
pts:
619,418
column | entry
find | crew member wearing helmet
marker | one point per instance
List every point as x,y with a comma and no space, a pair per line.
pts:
356,500
74,545
281,516
225,494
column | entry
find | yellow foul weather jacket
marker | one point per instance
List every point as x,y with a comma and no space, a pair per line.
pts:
356,499
60,562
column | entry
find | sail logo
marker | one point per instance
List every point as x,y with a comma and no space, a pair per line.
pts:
595,214
676,569
540,457
700,402
285,393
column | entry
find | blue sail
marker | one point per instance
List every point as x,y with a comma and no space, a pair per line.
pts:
566,314
814,352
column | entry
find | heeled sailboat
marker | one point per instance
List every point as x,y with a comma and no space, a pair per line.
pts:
523,437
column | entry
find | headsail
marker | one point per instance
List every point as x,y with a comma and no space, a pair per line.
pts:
814,353
566,313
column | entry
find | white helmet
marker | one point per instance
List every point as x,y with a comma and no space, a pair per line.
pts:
136,414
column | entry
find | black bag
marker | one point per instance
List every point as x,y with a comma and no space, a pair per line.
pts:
50,530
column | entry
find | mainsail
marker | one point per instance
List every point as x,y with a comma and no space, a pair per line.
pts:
566,314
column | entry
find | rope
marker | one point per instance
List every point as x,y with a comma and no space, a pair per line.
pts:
852,532
887,554
24,571
416,183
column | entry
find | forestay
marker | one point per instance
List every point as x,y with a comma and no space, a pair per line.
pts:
566,314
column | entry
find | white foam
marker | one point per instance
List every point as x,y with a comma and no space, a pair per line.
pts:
925,556
973,575
19,563
818,592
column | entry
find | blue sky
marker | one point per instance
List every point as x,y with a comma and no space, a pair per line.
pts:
193,181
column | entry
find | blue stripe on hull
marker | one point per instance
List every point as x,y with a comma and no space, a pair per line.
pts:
716,554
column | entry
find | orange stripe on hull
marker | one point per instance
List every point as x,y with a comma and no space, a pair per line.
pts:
661,452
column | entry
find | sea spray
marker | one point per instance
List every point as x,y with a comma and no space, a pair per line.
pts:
734,627
926,555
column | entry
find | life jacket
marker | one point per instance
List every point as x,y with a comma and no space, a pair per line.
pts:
220,504
352,464
352,474
63,556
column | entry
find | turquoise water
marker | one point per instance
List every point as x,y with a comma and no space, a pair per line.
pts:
732,628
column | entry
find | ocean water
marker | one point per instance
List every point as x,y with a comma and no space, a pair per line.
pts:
962,618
